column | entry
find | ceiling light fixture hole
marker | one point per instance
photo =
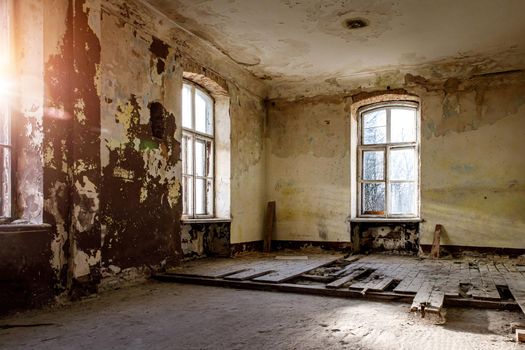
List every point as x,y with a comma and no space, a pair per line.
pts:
355,23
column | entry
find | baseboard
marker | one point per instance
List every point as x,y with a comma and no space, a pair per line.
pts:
459,250
253,246
332,245
257,246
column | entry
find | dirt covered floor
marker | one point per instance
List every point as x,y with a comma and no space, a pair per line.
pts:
158,315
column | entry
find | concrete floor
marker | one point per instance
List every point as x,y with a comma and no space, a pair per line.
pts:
175,316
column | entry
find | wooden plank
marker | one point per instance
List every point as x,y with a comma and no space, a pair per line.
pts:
249,274
428,299
346,270
381,278
268,226
214,268
353,258
434,252
497,277
517,288
475,280
422,296
296,268
520,335
417,282
436,300
451,286
382,285
488,285
321,290
405,283
343,280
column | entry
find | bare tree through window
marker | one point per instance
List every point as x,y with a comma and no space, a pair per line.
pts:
197,152
388,161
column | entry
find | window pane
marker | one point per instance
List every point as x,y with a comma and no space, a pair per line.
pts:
200,190
374,127
200,157
186,107
209,158
203,112
374,199
5,176
402,125
373,165
187,154
402,198
402,164
4,120
209,197
187,195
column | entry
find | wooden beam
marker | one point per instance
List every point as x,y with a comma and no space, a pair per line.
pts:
321,290
268,226
434,253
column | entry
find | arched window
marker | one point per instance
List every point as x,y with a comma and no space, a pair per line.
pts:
198,150
5,111
388,160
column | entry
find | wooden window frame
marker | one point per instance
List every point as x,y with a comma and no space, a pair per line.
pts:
387,147
6,177
203,136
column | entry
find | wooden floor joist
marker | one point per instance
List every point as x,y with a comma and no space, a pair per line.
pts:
333,292
428,284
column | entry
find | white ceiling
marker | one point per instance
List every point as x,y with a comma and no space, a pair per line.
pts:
298,40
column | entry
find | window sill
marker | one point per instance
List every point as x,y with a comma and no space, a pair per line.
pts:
204,220
8,228
386,220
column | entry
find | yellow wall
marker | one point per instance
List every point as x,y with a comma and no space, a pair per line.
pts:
472,162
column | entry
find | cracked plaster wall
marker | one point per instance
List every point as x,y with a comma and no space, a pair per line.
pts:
472,174
89,165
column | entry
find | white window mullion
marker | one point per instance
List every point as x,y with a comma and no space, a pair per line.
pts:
387,180
396,136
200,138
194,184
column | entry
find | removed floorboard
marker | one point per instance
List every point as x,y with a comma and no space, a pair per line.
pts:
428,299
427,283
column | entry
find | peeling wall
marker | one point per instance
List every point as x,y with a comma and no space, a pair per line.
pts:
397,238
93,162
472,174
205,239
140,197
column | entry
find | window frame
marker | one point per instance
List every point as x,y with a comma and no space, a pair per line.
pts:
387,148
7,210
196,134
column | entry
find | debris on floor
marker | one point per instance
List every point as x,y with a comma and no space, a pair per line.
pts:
428,284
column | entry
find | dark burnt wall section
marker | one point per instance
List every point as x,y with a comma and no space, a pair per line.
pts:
140,153
206,239
26,278
57,135
72,144
394,237
85,146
